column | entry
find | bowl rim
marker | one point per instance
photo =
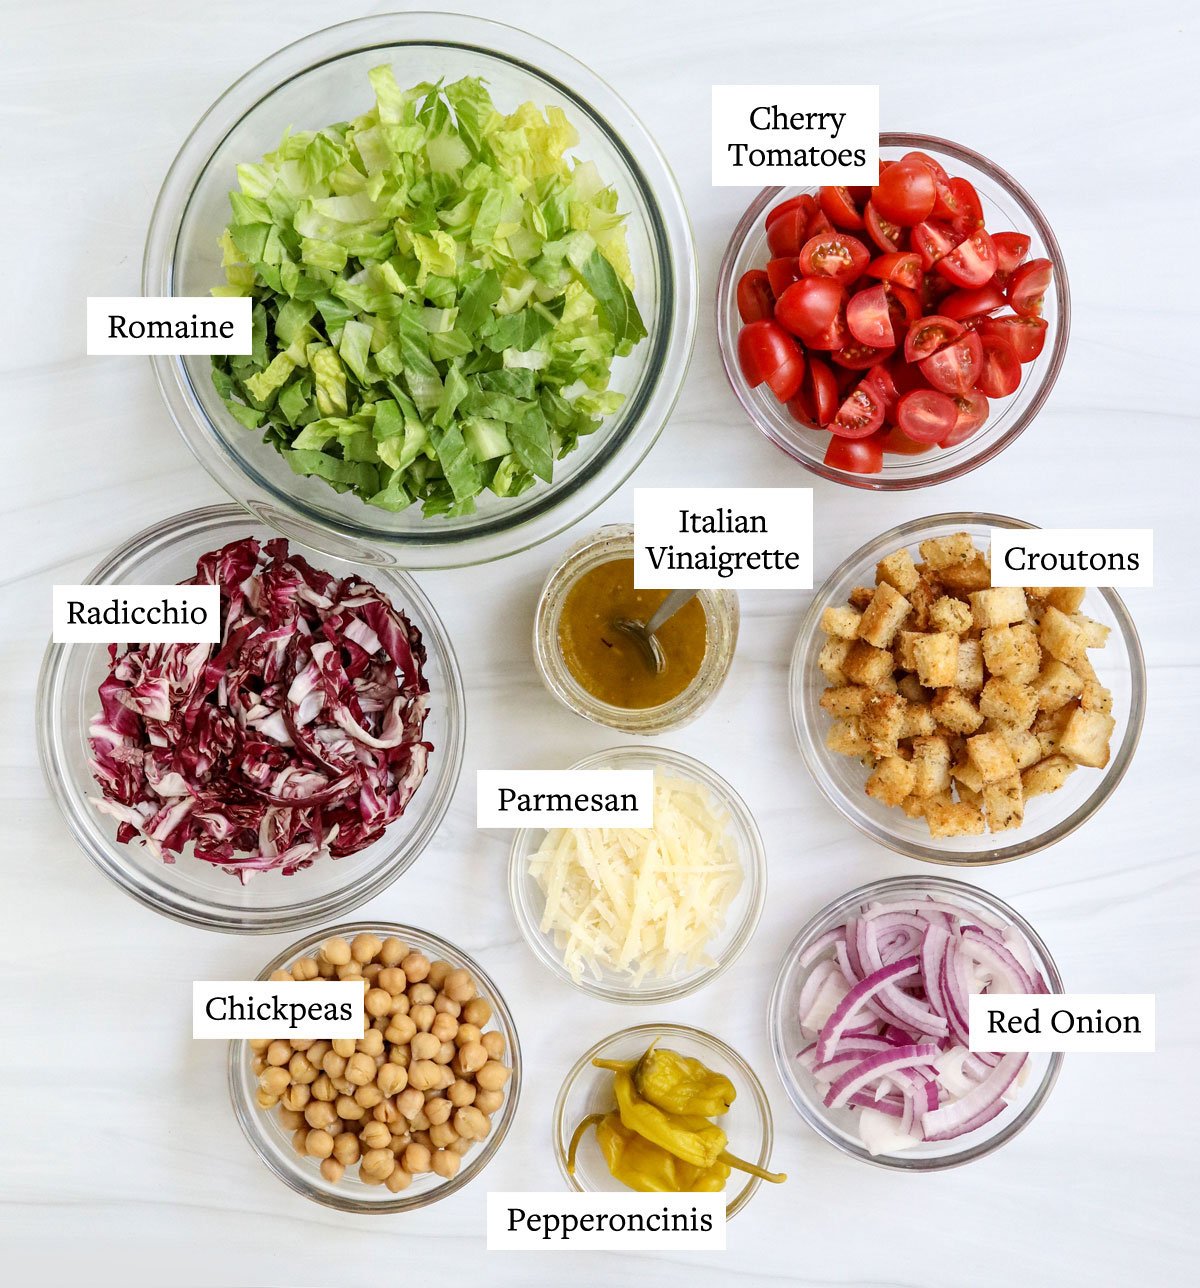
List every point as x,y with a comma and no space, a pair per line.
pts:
249,1116
702,1037
811,747
953,888
111,859
726,341
671,339
754,876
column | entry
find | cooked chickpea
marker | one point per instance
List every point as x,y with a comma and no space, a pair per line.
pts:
445,1028
343,1086
438,970
371,1043
386,1112
371,971
327,969
317,1051
323,1088
393,979
365,948
296,1097
258,1064
375,1135
380,1163
333,1064
459,986
493,1044
258,1045
416,967
346,1148
438,1110
489,1101
391,1078
442,1134
291,1119
351,970
302,1069
419,1124
444,1005
319,1114
410,1103
416,1159
332,1170
398,1180
305,969
265,1100
344,1047
361,1069
422,1074
424,1046
423,1017
279,1053
274,1080
300,1140
319,1144
460,1093
368,1096
421,994
467,1033
492,1076
400,1030
377,1002
393,951
460,1146
400,1140
471,1123
336,951
399,1055
470,1056
281,976
445,1163
477,1011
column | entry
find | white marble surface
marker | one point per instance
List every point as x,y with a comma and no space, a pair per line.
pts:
120,1162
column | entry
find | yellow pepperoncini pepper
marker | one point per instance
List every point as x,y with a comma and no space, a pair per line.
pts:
642,1165
679,1084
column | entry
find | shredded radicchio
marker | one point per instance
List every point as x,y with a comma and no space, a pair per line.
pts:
298,735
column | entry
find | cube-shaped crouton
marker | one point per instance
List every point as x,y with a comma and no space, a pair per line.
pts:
969,796
931,766
891,781
937,659
1060,636
945,552
887,684
866,664
969,677
1066,598
1095,634
882,616
1047,775
1050,725
1085,739
832,657
861,596
1012,652
964,578
846,702
918,720
1024,745
998,606
992,756
1008,702
842,621
845,739
905,648
955,818
1095,697
966,775
1005,803
922,599
948,614
1057,685
881,722
954,710
912,688
914,806
898,570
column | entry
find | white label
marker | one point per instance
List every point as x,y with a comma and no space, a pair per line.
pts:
616,1221
142,614
565,798
795,135
1072,557
1097,1022
168,324
238,1008
723,538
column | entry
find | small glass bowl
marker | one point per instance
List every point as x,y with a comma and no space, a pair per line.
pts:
1006,205
273,1144
195,892
615,541
838,1126
1047,818
740,920
323,78
588,1090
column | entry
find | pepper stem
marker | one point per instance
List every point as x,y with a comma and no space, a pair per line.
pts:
577,1136
732,1160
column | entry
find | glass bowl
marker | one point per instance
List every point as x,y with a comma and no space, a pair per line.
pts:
1048,818
740,921
837,1126
588,1090
273,1144
1006,205
615,541
323,78
198,893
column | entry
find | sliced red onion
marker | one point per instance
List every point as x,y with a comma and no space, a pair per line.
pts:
874,1067
857,997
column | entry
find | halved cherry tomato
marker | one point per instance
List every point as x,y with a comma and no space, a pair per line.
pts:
836,255
1028,287
809,306
930,334
819,225
934,166
835,336
926,415
860,415
767,353
972,412
754,299
901,267
972,301
804,201
1011,249
932,241
933,290
782,272
868,319
840,210
788,233
855,456
885,234
899,443
1000,372
858,357
972,262
801,407
955,368
904,307
1026,335
823,385
905,193
906,375
968,213
879,378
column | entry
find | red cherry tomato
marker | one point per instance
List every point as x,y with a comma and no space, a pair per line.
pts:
933,166
787,233
835,336
883,232
809,306
824,388
926,415
930,334
868,319
1028,286
1011,249
904,307
954,369
972,412
1026,335
860,415
767,353
819,225
905,193
1000,371
933,240
855,456
836,255
782,272
858,357
972,302
972,262
968,214
804,201
899,443
932,291
801,407
840,209
901,268
754,299
879,379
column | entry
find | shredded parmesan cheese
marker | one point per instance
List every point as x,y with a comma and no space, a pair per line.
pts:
641,903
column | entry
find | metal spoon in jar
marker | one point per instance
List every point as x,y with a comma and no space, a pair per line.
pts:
644,633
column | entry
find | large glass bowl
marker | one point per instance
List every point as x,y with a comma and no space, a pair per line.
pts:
323,79
1047,818
192,891
1006,206
273,1143
838,1126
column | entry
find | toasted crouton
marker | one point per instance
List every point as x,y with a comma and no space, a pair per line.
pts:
966,775
912,688
881,721
898,570
845,701
905,647
832,657
992,756
914,806
1066,598
954,710
969,677
882,616
861,596
998,606
1009,702
891,781
918,720
937,659
1095,697
1059,636
842,621
969,796
971,576
1085,740
923,598
1024,745
1012,652
1057,685
1046,776
1005,803
948,614
845,739
954,818
866,664
931,766
1095,634
1050,725
945,552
